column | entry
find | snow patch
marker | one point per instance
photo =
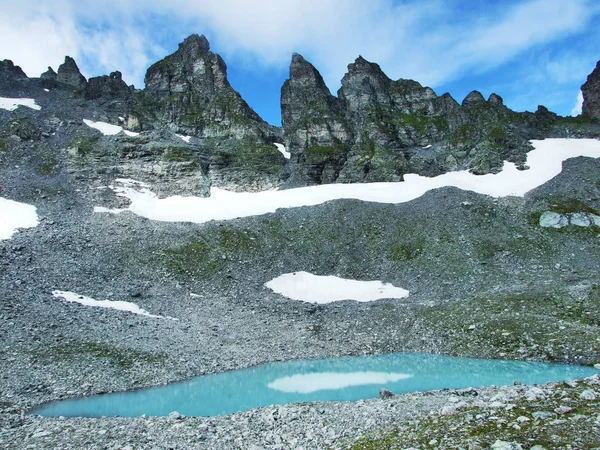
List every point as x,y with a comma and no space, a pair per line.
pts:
284,152
545,162
10,104
307,287
107,129
72,297
15,215
312,382
184,138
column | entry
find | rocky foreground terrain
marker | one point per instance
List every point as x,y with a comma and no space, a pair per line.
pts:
487,277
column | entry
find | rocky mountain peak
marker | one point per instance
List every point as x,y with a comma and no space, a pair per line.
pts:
68,73
195,45
8,70
495,99
305,93
591,94
362,66
193,67
472,98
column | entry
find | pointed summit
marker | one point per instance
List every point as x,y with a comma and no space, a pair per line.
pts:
472,98
362,66
68,73
193,67
195,45
303,92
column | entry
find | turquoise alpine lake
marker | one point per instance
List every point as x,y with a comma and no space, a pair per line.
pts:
336,379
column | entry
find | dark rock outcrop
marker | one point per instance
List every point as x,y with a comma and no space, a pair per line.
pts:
591,94
315,131
107,87
8,71
49,75
68,73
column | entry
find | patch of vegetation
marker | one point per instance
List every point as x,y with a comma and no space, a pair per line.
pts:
487,248
180,154
405,251
4,144
498,137
84,144
48,166
474,427
570,206
194,260
521,325
580,120
264,159
321,153
121,358
463,134
25,128
235,241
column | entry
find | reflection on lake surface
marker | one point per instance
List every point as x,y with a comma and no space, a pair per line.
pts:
336,379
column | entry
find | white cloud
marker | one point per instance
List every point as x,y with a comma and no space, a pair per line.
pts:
431,40
578,106
36,36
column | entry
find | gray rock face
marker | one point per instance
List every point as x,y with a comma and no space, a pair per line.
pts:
68,73
9,71
378,129
188,92
591,94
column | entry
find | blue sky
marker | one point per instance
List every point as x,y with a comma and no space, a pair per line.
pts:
528,51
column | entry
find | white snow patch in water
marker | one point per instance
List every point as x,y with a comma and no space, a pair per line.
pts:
184,138
284,152
545,162
15,215
119,305
10,104
107,129
307,287
312,382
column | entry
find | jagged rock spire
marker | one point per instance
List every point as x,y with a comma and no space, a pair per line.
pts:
9,70
49,75
68,73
